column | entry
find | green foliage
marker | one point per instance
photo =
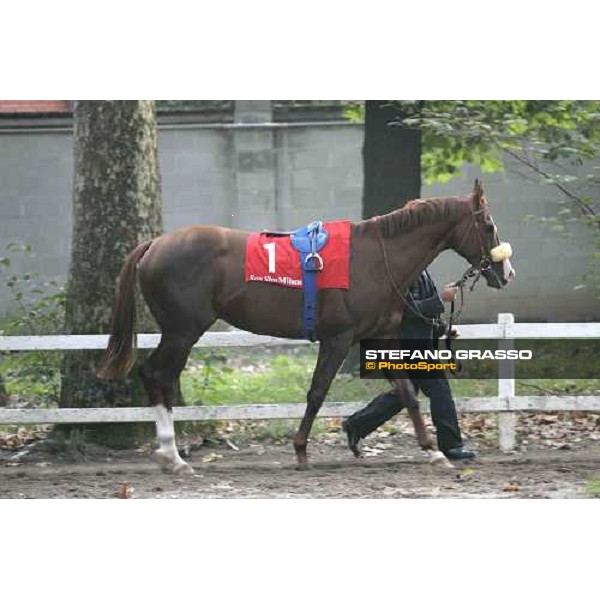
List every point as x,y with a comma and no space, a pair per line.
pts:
40,309
278,379
242,377
476,131
354,112
41,303
592,488
32,375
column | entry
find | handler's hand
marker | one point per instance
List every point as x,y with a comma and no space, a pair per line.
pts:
449,293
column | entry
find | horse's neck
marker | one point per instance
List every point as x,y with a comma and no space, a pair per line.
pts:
412,251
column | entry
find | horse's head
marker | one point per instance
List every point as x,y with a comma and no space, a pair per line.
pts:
477,240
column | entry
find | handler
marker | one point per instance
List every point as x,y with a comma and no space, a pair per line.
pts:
420,321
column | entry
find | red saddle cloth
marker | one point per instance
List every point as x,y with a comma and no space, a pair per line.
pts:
273,259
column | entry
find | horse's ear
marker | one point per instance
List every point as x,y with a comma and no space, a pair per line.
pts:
478,197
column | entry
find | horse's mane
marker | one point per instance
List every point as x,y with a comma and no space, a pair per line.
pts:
420,212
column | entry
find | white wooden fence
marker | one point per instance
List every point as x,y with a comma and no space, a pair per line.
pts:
506,403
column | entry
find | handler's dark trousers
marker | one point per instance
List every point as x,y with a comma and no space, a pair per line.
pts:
443,412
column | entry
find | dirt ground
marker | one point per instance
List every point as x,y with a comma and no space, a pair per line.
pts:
393,467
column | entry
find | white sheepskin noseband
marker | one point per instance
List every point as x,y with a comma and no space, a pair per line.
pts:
501,252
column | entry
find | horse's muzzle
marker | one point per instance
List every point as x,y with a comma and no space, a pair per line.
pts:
501,264
499,274
508,272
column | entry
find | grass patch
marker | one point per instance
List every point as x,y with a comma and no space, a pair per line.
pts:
592,488
279,376
243,377
32,375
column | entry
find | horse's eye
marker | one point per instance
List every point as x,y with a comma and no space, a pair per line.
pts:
489,228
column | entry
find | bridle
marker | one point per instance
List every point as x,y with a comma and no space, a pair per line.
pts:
485,263
473,272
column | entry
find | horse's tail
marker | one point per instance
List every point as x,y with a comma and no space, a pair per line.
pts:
119,356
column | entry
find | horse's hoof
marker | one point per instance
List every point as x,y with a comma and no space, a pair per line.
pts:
437,458
357,453
183,468
426,443
161,459
301,457
305,466
300,450
354,440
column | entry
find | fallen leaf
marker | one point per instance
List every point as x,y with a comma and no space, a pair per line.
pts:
382,446
549,419
125,491
211,457
373,451
511,486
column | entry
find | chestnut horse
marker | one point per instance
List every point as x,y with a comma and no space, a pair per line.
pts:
193,276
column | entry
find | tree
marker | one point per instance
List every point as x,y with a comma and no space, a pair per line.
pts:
116,205
391,169
391,158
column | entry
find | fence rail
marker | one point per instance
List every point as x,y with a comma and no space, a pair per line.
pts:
506,404
236,338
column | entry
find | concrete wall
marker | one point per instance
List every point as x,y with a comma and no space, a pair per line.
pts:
259,174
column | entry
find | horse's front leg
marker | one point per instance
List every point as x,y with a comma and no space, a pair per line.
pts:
404,390
332,352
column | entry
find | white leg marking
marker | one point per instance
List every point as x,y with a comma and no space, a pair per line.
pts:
437,457
167,454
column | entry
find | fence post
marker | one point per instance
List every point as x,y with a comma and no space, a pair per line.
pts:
506,387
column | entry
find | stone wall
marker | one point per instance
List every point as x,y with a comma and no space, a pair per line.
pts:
263,171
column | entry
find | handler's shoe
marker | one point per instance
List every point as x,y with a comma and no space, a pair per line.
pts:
459,453
353,438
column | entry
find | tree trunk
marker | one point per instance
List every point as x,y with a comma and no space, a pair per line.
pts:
391,168
116,205
391,159
3,394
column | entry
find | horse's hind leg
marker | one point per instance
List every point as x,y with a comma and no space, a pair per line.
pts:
160,374
332,353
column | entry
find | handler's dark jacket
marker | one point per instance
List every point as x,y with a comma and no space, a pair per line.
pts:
424,300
